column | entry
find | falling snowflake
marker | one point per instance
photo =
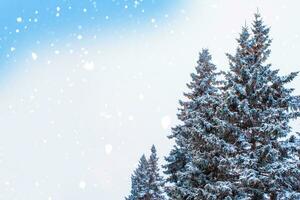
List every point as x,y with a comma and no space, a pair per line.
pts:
108,149
19,19
166,122
34,56
89,66
82,185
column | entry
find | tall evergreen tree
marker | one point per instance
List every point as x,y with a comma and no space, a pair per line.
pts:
188,167
259,106
146,182
229,145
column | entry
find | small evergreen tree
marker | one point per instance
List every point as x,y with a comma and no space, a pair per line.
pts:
146,182
140,181
156,181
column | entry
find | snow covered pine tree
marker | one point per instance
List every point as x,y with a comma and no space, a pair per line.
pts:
146,182
259,107
228,147
156,182
192,157
139,181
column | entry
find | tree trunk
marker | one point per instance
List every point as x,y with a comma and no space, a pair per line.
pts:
273,196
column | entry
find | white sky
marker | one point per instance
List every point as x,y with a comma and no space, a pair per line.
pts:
74,124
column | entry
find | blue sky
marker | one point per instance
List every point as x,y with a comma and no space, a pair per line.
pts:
24,24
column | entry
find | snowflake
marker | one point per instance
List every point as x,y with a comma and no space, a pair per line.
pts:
108,149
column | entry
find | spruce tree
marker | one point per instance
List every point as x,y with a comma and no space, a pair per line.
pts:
231,145
156,181
140,181
259,106
189,167
146,182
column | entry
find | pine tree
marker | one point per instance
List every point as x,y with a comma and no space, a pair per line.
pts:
156,182
259,107
189,168
140,181
230,145
146,182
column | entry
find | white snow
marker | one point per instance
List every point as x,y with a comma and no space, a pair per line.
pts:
141,96
82,185
130,118
19,19
34,56
108,149
166,122
89,66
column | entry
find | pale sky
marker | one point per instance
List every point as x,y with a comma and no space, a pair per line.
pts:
77,112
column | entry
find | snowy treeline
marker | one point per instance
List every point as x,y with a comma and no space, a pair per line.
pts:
234,140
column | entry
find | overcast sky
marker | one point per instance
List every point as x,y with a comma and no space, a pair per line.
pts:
87,88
